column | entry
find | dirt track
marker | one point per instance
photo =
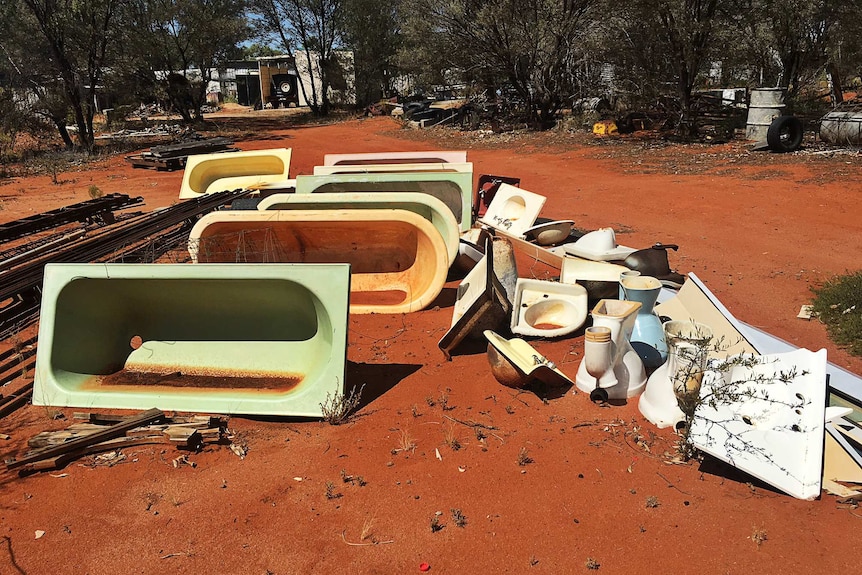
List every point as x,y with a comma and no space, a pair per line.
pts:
759,229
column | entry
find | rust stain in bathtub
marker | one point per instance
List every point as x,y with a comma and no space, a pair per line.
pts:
166,380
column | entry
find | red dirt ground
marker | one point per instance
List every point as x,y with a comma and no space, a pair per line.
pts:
759,229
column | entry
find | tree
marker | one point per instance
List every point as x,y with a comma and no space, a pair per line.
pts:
371,30
687,26
310,30
77,38
180,43
665,46
32,95
533,45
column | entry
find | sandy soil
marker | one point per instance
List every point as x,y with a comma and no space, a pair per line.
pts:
599,490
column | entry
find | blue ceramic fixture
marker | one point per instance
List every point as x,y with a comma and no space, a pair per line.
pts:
647,338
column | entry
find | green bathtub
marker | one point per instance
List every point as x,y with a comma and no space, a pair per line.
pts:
238,338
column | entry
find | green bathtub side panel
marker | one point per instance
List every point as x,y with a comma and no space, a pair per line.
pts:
427,206
453,189
250,339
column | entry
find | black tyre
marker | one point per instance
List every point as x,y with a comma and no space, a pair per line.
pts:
785,134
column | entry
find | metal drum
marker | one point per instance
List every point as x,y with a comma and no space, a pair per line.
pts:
842,127
766,105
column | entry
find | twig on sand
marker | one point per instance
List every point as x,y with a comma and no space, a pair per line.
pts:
471,423
343,538
669,484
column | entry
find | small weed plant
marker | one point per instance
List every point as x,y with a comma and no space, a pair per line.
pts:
450,438
330,491
459,518
758,535
95,192
338,408
736,382
405,442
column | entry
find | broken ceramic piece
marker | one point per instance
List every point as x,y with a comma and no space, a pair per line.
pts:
505,265
210,173
599,245
481,303
548,309
513,210
601,279
470,249
425,205
628,369
398,259
247,339
841,461
550,233
775,431
694,302
515,363
420,157
653,262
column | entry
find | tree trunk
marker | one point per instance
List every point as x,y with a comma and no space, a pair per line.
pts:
835,90
64,133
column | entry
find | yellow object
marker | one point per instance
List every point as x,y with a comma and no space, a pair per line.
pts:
209,173
605,128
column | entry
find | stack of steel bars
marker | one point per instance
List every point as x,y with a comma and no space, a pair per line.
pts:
134,239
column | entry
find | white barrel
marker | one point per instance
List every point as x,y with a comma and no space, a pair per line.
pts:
841,128
765,105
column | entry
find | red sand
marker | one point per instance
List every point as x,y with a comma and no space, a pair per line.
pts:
759,229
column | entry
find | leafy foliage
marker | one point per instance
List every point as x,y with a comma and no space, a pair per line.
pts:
839,304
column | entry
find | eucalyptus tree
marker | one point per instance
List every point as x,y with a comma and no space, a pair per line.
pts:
180,44
310,30
535,46
64,47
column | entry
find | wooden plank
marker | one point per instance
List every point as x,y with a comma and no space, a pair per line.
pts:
112,432
60,461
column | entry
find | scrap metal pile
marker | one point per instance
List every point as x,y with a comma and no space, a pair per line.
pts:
171,157
383,233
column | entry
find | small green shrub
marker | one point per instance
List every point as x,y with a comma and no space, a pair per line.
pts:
95,192
337,409
838,303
